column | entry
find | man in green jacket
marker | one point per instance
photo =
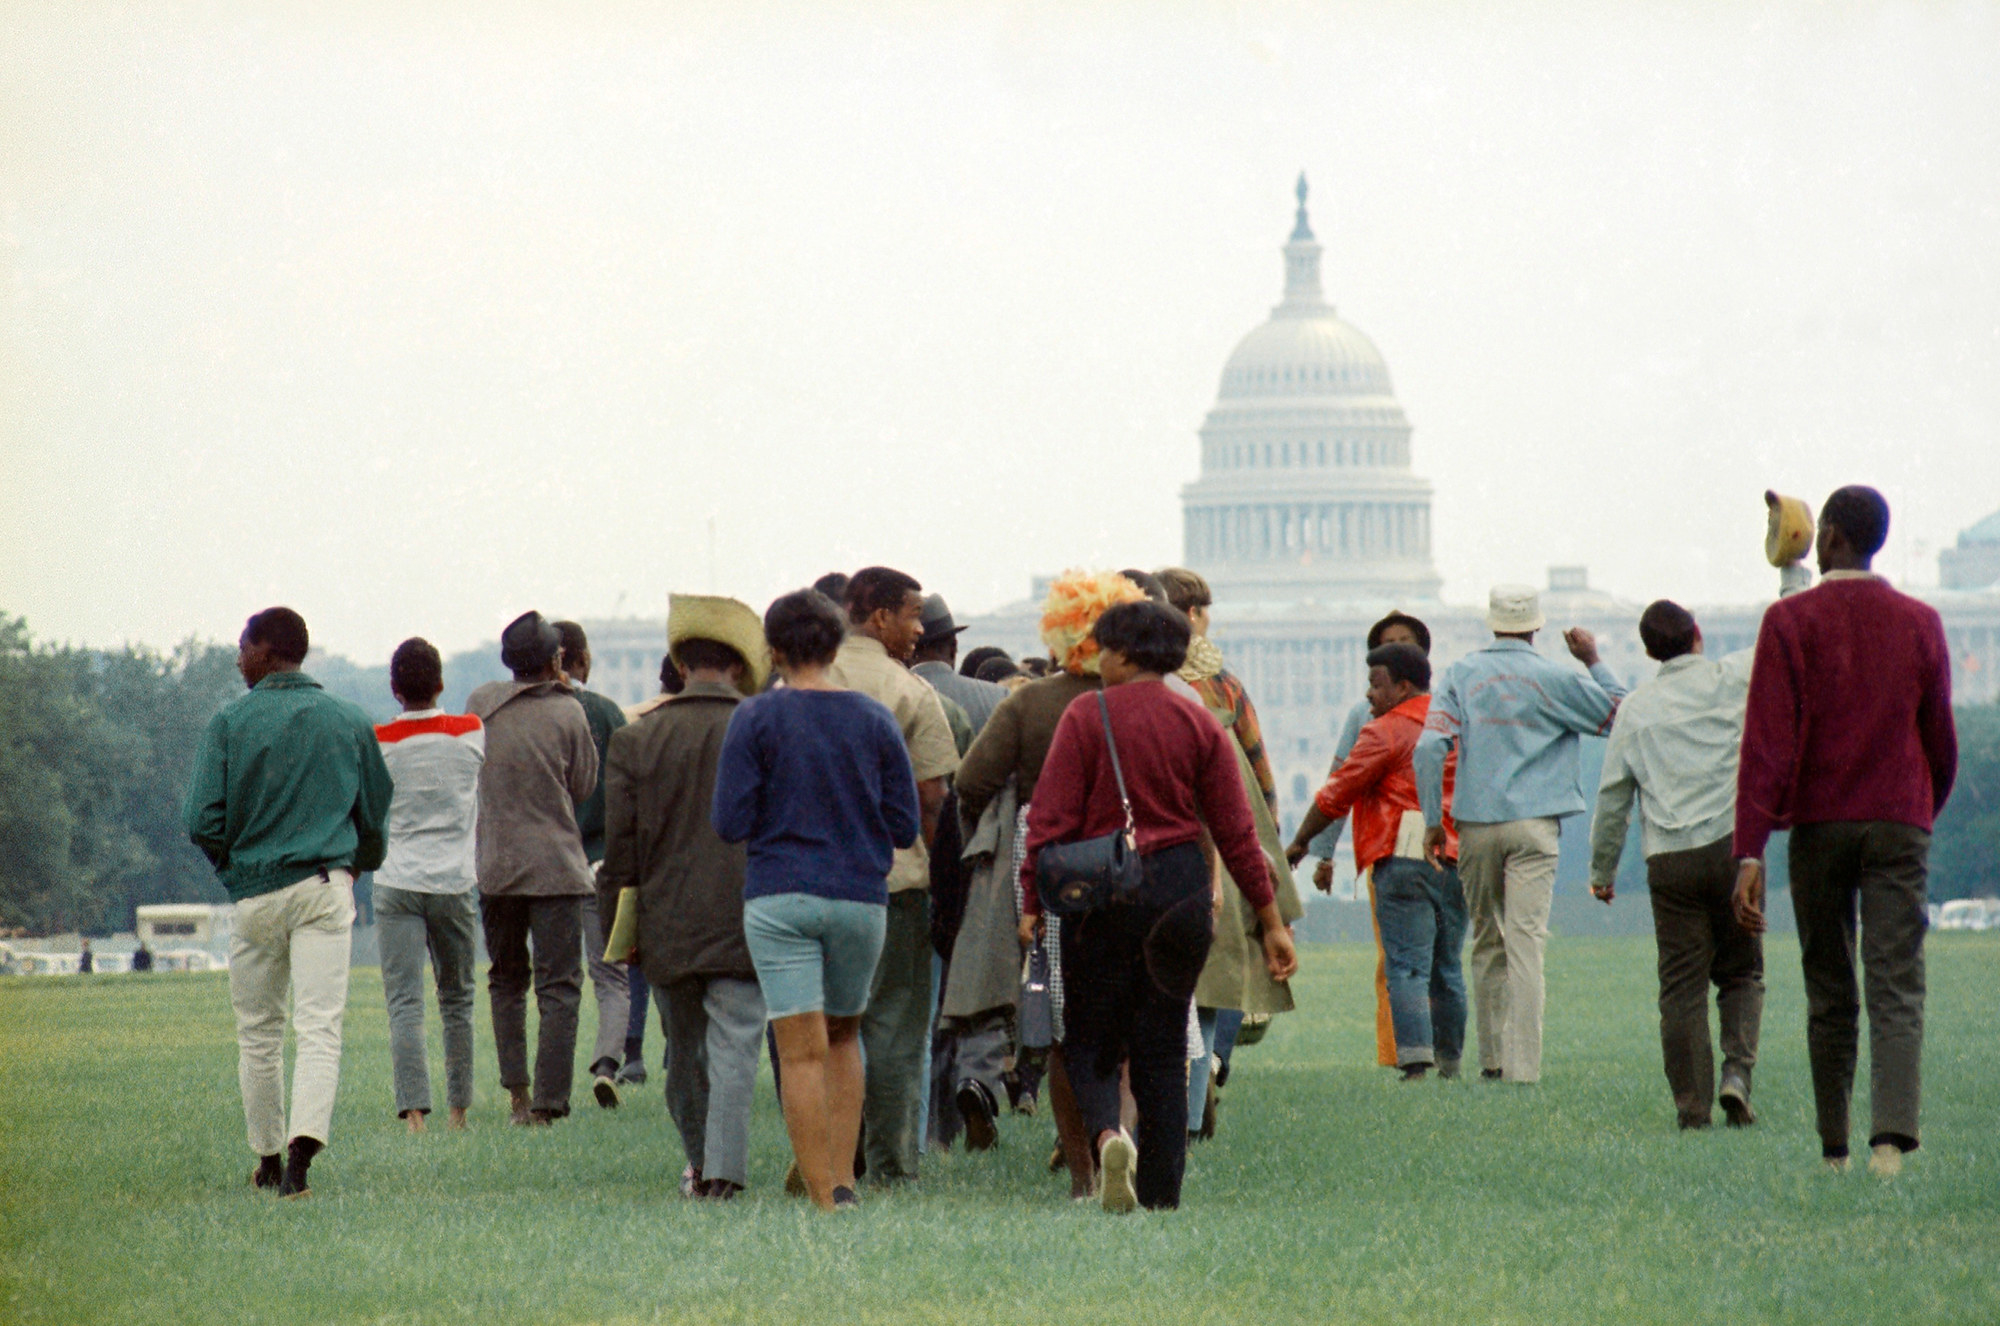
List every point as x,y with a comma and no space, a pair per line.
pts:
608,979
290,800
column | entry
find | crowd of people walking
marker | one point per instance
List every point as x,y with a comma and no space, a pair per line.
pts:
933,886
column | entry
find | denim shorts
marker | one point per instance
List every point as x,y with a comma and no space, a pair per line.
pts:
814,954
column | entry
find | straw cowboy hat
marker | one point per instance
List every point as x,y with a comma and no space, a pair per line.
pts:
726,621
1789,533
1513,609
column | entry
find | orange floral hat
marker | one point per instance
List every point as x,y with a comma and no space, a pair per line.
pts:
1076,600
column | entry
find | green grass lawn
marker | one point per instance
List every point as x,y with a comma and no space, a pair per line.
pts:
1333,1193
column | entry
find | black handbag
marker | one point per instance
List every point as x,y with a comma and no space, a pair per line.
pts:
1073,878
1035,1018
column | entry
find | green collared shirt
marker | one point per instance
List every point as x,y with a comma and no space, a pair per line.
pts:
288,780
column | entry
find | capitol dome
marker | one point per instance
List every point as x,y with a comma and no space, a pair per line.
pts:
1315,355
1306,491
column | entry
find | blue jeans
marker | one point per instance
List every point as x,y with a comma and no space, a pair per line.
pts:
1421,910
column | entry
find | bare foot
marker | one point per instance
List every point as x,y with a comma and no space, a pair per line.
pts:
415,1120
456,1117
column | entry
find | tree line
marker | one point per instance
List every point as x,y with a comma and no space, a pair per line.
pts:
96,746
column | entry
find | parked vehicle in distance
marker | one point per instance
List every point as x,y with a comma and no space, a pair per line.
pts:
1969,914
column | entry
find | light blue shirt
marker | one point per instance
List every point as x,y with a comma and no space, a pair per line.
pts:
1327,841
1514,716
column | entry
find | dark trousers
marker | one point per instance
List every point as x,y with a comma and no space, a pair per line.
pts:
895,1041
554,927
1129,972
1700,943
1877,870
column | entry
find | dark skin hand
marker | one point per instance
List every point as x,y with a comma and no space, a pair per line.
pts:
1746,902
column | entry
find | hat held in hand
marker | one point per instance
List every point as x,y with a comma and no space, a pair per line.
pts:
1789,534
725,621
1514,610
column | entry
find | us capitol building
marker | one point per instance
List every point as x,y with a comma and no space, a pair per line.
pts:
1310,523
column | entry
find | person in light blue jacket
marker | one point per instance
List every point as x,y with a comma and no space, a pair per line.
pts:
1514,717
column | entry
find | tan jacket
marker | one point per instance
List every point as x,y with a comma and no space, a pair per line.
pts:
540,761
864,665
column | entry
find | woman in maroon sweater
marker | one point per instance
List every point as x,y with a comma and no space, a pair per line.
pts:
1130,968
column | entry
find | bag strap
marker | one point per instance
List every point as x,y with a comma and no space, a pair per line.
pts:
1117,769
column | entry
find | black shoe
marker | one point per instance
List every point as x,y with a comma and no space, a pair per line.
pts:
845,1200
298,1159
1415,1072
270,1171
1489,1075
1210,1101
717,1190
1221,1078
1694,1122
977,1108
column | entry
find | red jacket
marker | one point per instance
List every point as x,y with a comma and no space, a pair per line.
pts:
1849,715
1180,770
1376,783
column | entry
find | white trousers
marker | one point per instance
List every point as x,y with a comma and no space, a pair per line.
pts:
294,941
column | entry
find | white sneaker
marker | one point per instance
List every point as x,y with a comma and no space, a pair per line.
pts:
1115,1189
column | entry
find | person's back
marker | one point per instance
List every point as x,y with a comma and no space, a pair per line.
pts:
690,881
533,873
1513,718
290,754
1673,752
540,761
288,799
686,886
1848,740
1849,704
808,787
434,758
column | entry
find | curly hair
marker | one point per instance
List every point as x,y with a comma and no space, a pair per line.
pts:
1076,600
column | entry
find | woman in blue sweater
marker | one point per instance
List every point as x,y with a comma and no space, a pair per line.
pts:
817,781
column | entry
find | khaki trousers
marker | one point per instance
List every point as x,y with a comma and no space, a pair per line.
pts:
1509,873
294,941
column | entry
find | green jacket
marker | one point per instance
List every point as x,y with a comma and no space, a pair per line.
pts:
289,780
605,718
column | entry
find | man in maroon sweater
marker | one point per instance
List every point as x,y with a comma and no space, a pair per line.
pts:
1849,743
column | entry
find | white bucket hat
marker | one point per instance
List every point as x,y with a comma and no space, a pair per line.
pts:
1511,609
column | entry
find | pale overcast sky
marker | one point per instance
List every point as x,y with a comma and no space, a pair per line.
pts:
416,320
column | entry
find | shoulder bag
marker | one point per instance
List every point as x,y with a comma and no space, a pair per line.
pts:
1072,878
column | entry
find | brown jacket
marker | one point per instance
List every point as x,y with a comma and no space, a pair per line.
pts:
659,783
1015,741
540,761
